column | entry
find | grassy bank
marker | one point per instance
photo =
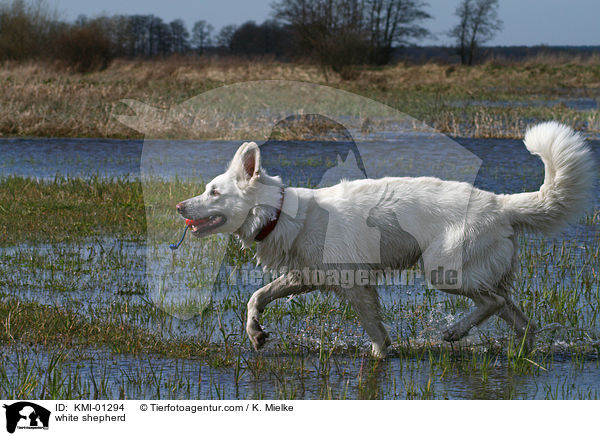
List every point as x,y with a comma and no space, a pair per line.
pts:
52,211
490,100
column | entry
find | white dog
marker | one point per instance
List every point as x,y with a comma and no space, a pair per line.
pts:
392,223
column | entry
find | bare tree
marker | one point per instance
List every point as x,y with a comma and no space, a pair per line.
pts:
478,24
163,39
25,28
330,31
201,35
268,38
340,33
179,36
393,22
226,35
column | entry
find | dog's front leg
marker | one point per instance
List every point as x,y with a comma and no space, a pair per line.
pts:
283,286
365,301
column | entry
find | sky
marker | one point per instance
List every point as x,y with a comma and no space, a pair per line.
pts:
526,22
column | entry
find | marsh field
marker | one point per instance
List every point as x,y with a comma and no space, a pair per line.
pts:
496,99
79,319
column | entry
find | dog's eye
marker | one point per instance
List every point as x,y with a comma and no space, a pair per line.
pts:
214,192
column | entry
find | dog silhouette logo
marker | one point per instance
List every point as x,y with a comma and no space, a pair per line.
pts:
26,415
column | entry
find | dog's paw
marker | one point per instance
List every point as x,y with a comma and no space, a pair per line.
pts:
452,335
379,352
257,335
527,342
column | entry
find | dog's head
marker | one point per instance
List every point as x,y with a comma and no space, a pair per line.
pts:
229,197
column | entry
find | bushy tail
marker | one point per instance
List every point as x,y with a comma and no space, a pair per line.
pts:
568,181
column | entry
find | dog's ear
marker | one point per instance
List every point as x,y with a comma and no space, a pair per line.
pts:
246,163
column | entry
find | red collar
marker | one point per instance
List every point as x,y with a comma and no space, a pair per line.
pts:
268,228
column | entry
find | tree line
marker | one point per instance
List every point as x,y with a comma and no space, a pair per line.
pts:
335,33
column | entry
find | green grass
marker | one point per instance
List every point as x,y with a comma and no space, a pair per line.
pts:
36,210
107,327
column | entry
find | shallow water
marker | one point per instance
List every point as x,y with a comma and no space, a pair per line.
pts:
100,374
297,162
72,157
582,104
108,273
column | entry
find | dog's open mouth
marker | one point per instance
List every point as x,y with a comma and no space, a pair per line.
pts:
203,226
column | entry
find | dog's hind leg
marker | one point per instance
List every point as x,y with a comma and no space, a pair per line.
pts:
523,326
365,301
486,305
281,287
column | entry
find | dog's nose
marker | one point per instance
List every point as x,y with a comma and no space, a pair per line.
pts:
180,207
